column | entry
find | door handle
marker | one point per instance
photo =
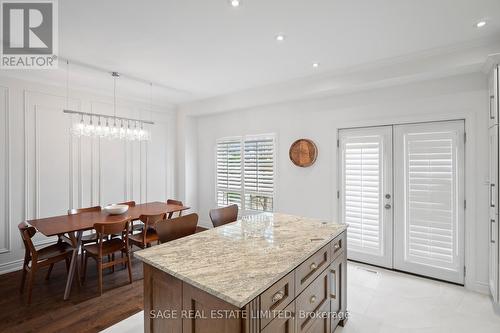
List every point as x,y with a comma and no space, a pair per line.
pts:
387,206
491,231
492,187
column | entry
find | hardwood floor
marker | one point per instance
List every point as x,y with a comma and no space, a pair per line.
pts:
85,311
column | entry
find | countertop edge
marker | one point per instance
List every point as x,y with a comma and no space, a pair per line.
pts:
258,291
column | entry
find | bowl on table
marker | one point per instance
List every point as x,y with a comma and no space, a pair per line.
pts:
116,209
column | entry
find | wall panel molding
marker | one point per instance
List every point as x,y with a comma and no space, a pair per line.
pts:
7,191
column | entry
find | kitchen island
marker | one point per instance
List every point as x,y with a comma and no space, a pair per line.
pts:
267,273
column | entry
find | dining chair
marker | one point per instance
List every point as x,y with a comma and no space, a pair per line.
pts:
46,256
108,247
133,227
176,203
170,229
148,234
224,215
89,238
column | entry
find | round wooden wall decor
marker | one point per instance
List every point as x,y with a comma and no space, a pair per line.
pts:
303,153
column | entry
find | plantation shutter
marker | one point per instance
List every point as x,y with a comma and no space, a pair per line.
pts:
229,178
259,173
362,177
431,198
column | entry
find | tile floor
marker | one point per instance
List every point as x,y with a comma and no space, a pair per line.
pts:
382,301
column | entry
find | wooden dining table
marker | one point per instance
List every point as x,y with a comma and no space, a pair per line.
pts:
78,223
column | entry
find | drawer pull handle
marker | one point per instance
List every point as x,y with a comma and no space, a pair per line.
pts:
278,296
313,266
312,299
336,246
333,293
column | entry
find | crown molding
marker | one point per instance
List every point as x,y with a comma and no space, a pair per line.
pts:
428,65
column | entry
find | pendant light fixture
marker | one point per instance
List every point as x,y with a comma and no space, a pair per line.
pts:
108,127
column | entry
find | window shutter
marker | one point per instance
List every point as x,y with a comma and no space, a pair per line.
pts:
362,185
431,173
259,173
229,179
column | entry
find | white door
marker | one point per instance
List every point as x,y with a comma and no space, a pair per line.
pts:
429,199
366,189
419,229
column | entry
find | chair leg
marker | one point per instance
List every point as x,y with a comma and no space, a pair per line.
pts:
99,268
85,259
129,267
82,251
113,266
23,279
49,271
31,277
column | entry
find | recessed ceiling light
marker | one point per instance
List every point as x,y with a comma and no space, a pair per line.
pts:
280,37
480,24
316,64
235,3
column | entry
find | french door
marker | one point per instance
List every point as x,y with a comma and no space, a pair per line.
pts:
402,194
366,173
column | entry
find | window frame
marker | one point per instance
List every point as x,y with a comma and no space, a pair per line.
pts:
242,139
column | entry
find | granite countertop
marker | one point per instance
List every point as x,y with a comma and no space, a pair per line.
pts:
238,261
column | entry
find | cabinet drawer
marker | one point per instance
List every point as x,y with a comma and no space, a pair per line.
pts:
338,245
284,323
277,297
311,268
320,324
313,299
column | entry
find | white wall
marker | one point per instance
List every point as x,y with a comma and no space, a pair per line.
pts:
312,191
44,171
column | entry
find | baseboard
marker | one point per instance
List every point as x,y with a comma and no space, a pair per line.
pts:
478,287
12,266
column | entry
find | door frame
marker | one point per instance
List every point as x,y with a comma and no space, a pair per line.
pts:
468,233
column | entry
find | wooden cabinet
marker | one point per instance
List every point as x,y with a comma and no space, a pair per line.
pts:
277,297
284,323
338,289
306,272
313,300
306,300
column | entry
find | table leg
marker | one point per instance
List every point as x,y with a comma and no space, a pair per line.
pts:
72,266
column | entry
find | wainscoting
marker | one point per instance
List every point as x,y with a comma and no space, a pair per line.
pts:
47,171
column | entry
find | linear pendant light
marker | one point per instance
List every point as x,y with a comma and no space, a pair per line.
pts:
108,127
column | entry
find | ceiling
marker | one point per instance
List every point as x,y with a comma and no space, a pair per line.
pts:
208,48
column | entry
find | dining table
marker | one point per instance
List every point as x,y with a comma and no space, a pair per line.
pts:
75,225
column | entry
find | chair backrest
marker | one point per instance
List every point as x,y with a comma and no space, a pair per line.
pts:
128,203
27,232
174,202
112,228
84,210
151,220
221,216
178,227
